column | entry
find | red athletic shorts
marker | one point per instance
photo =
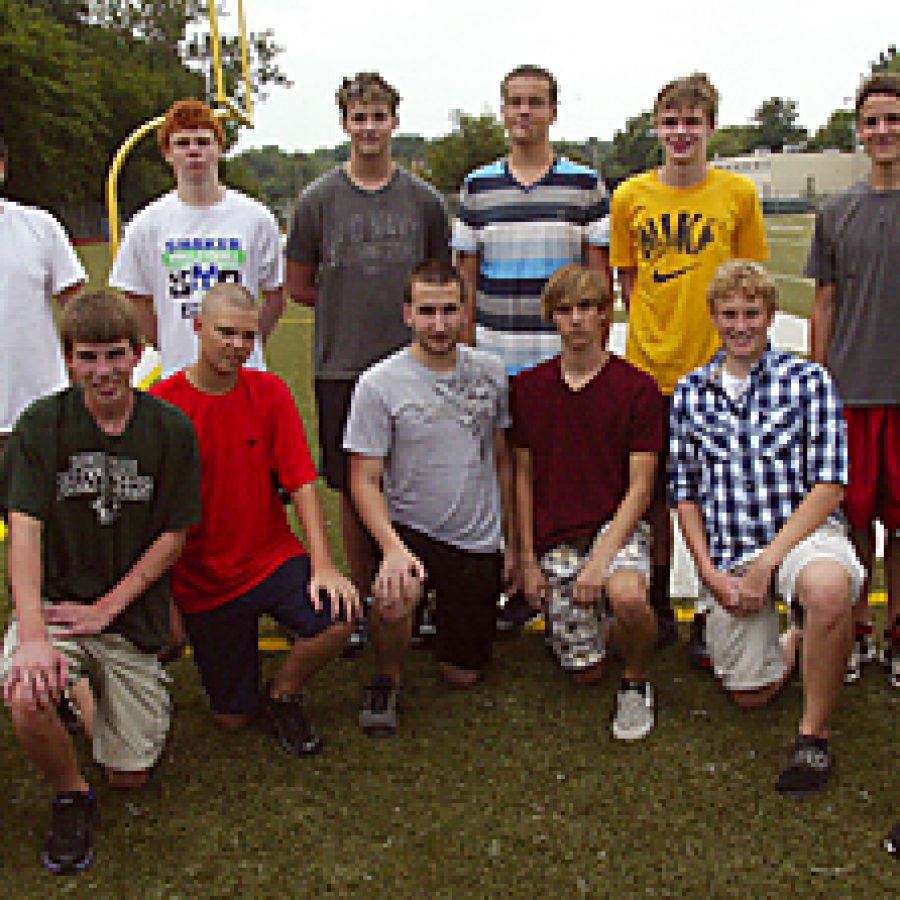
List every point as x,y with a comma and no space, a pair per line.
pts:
873,435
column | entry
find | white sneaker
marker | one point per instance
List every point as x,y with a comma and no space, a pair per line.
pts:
634,713
862,652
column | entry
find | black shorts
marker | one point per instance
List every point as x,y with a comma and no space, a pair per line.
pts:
332,408
225,639
466,585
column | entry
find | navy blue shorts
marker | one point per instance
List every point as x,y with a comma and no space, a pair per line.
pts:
225,639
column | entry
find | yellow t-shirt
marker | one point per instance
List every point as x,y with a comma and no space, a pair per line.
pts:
676,238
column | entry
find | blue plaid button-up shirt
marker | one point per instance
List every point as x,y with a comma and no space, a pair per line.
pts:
748,465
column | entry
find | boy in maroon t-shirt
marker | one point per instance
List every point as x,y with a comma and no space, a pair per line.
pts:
586,431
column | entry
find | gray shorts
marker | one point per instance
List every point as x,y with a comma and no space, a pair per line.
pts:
132,703
745,650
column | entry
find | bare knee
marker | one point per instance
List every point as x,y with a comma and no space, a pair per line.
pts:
460,678
627,592
28,718
754,699
127,781
232,721
823,588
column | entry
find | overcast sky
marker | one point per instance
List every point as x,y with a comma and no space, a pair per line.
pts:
609,58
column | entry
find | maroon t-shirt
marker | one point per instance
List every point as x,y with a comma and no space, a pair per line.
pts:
580,443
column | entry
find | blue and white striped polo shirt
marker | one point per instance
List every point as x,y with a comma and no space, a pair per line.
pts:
522,235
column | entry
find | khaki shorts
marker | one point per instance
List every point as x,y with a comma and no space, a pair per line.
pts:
132,709
745,650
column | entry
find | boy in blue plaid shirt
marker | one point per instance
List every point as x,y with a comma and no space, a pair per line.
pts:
757,472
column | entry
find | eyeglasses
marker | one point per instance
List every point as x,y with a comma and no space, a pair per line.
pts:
200,140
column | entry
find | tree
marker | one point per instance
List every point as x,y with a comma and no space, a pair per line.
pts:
776,124
888,61
475,141
51,117
838,133
635,149
732,140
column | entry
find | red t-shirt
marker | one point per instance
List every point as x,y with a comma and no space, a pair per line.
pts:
580,443
244,535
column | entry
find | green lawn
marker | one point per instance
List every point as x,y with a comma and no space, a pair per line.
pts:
513,789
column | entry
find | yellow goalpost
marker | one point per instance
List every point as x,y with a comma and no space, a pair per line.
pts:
226,109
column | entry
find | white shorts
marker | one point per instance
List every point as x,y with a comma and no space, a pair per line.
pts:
745,650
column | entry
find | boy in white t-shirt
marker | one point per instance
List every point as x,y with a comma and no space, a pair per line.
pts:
37,262
198,235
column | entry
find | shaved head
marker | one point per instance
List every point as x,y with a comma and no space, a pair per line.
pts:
235,296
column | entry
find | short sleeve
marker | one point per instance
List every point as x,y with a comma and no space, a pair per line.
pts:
622,251
751,231
368,431
28,471
179,482
465,234
305,237
129,270
437,230
596,226
271,259
821,263
292,459
826,432
65,269
646,431
683,472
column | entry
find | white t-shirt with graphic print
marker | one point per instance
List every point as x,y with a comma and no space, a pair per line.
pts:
175,252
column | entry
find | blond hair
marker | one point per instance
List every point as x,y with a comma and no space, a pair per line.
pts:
573,283
742,278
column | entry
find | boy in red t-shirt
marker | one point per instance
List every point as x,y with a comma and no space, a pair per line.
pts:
586,430
243,560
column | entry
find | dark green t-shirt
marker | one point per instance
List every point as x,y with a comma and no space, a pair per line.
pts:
103,500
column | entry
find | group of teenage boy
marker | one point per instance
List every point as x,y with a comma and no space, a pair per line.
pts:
483,439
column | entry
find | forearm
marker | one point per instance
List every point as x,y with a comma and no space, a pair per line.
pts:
312,520
25,575
691,523
270,313
153,563
505,480
373,511
146,316
815,508
300,283
822,323
524,508
634,504
468,270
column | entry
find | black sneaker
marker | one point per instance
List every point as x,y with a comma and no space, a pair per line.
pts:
808,769
699,654
290,725
378,716
424,630
69,845
513,615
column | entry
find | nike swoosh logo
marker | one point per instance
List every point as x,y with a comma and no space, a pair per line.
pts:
663,277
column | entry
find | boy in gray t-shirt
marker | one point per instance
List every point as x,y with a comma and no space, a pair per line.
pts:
856,331
356,234
431,479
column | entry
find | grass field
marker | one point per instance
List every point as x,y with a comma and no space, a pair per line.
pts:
513,789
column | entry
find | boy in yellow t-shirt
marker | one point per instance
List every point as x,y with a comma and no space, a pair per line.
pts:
671,228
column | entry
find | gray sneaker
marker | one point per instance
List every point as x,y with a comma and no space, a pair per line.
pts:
634,713
378,716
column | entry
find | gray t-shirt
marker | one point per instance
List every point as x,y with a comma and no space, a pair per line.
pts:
436,435
856,247
364,245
